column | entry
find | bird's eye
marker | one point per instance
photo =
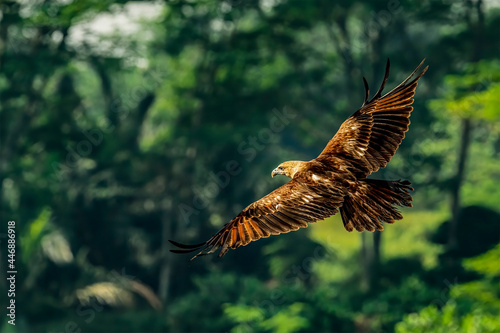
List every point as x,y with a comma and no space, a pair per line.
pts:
280,168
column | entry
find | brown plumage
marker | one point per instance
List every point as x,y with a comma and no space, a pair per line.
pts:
335,180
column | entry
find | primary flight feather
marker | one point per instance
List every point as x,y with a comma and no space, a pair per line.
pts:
335,180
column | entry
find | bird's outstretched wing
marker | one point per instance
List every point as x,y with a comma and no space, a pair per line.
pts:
292,206
369,138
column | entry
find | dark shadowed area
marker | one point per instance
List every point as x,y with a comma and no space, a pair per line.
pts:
128,123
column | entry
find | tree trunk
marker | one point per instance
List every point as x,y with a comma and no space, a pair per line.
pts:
466,126
166,258
457,184
366,259
377,240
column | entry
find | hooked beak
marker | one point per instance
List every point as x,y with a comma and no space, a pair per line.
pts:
276,172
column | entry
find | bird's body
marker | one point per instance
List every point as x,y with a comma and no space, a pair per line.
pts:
335,180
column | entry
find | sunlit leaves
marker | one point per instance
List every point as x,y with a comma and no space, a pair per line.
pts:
487,263
30,240
475,94
251,319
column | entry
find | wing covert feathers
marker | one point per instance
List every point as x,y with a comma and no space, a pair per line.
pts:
288,208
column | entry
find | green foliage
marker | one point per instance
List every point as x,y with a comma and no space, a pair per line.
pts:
473,94
251,319
30,241
290,319
486,264
243,313
472,306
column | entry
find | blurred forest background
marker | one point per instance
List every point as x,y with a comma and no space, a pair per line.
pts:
125,124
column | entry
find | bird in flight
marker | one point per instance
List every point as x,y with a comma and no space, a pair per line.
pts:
335,180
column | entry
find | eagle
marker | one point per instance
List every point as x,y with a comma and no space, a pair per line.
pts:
334,181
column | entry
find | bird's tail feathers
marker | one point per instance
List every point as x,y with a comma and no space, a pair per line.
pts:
372,202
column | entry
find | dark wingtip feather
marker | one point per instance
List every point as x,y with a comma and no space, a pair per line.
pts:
406,83
416,70
367,91
402,84
198,255
182,251
384,81
184,246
